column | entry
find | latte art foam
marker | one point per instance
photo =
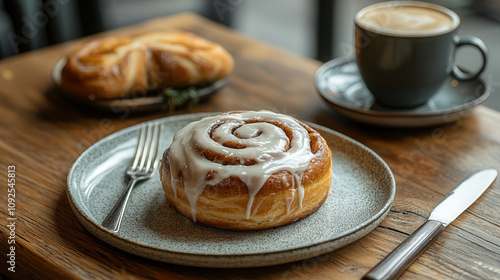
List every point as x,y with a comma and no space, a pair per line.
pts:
406,19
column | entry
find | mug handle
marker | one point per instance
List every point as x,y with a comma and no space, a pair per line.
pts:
470,41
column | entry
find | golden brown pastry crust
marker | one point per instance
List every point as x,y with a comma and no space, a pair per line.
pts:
223,205
114,67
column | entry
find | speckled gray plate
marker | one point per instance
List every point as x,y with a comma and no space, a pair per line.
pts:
339,83
362,193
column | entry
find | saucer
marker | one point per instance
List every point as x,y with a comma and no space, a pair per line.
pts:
339,83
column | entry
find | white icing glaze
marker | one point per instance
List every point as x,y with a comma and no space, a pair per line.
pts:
264,142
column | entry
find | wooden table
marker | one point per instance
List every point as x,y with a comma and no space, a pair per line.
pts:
42,136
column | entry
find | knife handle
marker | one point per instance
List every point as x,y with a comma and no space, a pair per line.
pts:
398,260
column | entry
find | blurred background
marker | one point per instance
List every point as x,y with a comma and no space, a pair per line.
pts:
318,29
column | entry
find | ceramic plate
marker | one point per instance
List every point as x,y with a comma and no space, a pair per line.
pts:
153,101
362,193
339,83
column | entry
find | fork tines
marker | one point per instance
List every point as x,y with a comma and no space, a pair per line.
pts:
146,156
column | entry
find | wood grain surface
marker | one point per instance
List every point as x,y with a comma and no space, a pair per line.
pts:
42,135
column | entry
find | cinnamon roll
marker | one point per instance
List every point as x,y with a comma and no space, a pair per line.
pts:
114,67
246,170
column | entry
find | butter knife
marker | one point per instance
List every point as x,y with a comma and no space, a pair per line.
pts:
392,266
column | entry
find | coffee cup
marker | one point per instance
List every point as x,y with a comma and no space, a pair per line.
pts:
406,50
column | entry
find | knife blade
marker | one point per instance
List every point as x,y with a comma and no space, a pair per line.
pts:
392,266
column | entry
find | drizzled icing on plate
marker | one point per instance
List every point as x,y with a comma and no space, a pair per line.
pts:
260,146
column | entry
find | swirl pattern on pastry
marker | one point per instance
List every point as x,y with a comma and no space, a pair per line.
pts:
246,170
114,67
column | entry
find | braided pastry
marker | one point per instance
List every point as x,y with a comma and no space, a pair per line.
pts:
114,67
246,170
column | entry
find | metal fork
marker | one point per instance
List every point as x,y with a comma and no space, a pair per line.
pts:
142,168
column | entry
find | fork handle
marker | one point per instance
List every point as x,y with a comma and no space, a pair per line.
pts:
114,219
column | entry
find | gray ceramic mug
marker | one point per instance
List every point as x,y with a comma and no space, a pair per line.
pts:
405,51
